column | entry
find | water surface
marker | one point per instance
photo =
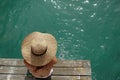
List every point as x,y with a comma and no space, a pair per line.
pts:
84,29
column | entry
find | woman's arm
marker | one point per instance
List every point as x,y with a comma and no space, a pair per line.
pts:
30,67
46,69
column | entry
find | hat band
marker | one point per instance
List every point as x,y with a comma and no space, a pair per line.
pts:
38,54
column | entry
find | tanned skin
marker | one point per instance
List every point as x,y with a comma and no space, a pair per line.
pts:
41,71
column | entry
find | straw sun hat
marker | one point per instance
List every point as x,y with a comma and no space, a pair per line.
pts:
38,48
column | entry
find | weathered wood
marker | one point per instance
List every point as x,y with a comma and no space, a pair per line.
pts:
72,71
22,77
60,63
71,78
14,69
11,62
57,71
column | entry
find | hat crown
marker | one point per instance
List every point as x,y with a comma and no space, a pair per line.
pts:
38,48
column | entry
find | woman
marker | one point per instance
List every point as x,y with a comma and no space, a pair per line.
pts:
39,50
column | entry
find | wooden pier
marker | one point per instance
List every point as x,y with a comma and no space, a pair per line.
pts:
14,69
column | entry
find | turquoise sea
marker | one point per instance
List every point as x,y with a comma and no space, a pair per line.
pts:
84,29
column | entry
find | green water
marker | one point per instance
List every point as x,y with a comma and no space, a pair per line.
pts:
84,29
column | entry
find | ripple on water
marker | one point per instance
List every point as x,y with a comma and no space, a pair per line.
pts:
93,15
86,1
95,4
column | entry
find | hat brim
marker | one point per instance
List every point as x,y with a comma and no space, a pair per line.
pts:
39,60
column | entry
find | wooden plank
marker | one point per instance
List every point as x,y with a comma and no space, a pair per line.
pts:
14,69
72,71
11,62
60,63
57,71
73,63
71,78
22,77
11,77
